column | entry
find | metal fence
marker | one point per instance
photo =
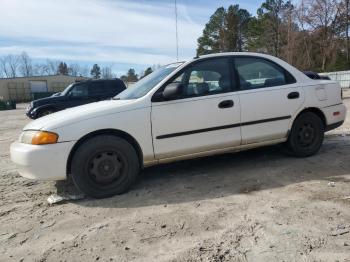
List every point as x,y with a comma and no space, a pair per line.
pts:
58,86
343,77
21,92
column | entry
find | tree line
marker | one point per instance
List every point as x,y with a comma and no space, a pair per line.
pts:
312,35
23,66
130,76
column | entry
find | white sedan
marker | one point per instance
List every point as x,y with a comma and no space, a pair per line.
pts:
210,105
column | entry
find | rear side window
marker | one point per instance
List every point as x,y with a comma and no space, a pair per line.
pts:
260,73
97,88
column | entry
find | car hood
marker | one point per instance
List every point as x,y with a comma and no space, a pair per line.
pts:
80,113
48,100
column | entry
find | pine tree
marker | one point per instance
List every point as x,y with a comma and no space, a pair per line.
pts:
225,32
147,71
131,77
95,71
62,68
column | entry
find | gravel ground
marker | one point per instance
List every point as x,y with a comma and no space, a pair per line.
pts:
258,205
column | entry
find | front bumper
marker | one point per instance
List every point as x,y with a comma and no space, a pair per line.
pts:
31,113
41,162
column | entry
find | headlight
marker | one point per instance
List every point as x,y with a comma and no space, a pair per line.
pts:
38,137
30,106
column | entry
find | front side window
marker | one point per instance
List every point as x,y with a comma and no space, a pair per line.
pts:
146,84
260,73
79,91
205,78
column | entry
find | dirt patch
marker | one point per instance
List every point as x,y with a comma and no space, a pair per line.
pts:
258,205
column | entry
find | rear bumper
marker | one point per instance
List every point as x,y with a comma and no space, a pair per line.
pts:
335,116
41,162
333,126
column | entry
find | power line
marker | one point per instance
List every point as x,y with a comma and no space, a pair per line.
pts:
177,37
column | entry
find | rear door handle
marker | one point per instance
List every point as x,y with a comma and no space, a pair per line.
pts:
226,104
293,95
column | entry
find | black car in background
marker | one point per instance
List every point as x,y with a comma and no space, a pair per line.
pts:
76,94
314,75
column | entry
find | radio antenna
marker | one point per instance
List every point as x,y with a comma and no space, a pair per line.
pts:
177,37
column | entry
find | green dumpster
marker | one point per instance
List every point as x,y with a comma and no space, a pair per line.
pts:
7,105
2,105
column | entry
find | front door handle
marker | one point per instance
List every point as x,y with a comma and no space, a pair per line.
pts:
226,104
293,95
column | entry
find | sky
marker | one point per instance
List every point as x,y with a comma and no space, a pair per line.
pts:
118,33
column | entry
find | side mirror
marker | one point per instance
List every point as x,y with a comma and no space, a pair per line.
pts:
172,91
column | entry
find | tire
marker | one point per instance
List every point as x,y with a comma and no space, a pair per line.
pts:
306,136
104,166
45,112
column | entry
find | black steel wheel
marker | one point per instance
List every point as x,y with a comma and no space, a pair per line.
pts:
306,136
104,166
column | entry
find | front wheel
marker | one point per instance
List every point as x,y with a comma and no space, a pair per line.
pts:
104,166
306,136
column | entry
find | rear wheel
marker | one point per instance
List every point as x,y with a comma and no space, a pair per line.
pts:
104,166
306,136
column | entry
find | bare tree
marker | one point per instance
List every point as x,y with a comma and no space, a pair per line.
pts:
74,69
10,65
322,16
26,67
347,21
52,67
84,71
41,69
107,72
289,47
4,67
300,19
14,62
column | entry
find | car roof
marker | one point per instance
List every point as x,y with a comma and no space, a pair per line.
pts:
104,79
300,76
234,54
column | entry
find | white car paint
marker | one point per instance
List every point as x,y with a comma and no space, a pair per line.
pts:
147,121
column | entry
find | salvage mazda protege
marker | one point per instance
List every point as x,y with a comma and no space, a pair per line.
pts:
212,104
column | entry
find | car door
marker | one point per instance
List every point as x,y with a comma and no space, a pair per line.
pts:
78,95
205,117
98,90
269,97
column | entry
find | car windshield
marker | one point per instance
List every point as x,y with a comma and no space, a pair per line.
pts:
143,86
66,90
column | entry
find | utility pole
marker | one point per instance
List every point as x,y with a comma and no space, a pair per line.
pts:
347,33
177,37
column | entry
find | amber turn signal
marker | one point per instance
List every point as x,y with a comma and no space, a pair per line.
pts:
43,138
